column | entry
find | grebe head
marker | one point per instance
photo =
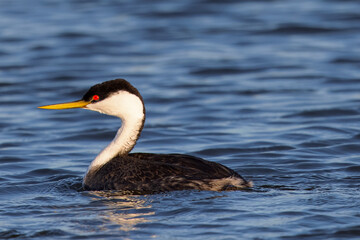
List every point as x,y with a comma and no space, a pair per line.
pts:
115,97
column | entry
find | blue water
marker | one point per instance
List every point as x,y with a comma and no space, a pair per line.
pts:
268,88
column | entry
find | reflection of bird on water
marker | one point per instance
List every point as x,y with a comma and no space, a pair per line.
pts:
117,169
125,211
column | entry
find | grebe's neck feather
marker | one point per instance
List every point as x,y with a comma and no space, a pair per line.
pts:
130,109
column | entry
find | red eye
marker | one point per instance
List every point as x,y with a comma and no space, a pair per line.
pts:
95,98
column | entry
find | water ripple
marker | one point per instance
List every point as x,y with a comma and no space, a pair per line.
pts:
268,88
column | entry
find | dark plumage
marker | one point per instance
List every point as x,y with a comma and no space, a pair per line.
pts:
105,89
149,173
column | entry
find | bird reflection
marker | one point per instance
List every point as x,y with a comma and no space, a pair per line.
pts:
124,210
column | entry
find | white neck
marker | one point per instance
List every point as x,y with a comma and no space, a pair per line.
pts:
123,142
130,109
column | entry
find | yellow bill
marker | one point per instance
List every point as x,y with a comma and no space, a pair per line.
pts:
76,104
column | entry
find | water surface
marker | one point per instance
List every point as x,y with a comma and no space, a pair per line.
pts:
268,88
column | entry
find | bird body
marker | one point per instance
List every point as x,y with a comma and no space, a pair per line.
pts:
115,168
147,172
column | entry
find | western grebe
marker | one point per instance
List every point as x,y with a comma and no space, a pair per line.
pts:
115,168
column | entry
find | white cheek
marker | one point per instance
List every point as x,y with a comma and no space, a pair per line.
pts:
122,104
100,107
